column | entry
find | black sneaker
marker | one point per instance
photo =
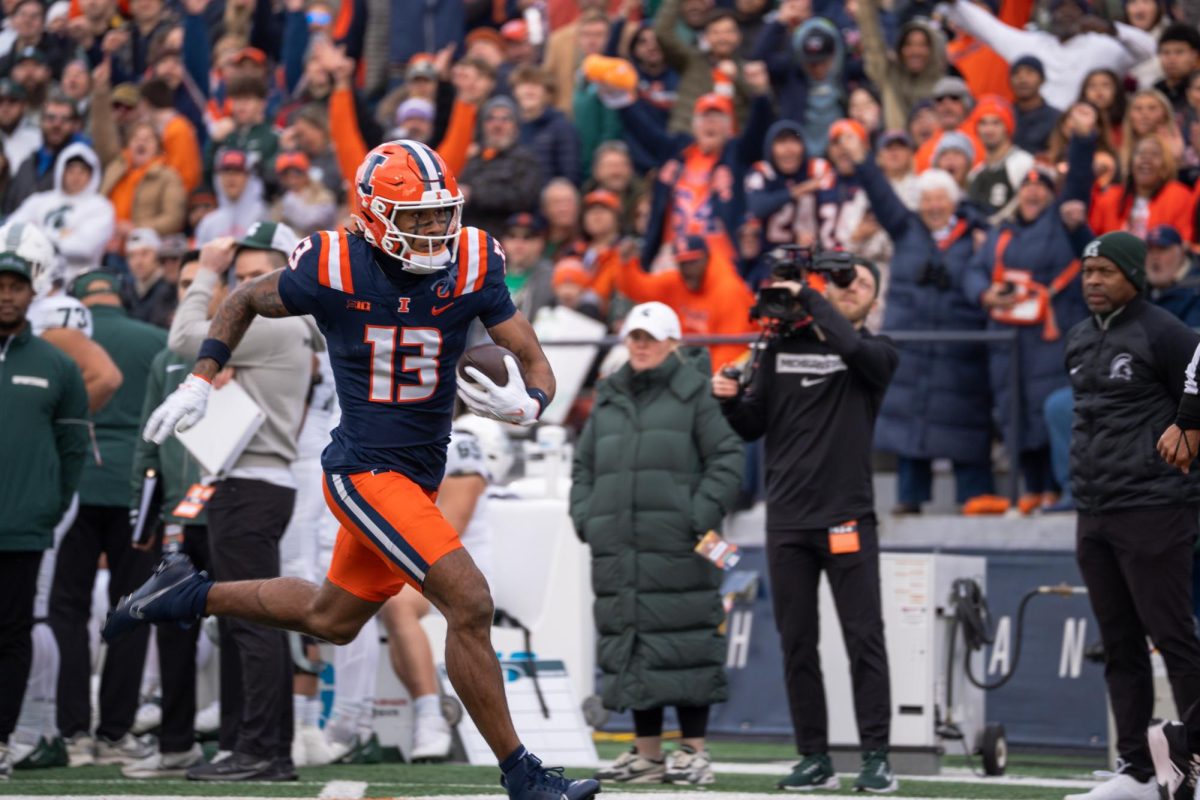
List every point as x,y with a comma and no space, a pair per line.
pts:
237,767
1175,766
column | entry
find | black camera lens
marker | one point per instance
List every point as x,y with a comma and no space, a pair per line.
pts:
842,277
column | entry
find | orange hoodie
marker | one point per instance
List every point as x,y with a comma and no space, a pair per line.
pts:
351,149
1173,205
984,71
348,144
923,160
182,150
722,306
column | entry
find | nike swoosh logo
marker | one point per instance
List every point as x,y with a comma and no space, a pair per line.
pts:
807,382
439,309
135,608
1076,368
175,367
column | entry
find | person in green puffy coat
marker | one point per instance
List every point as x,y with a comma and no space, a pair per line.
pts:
655,469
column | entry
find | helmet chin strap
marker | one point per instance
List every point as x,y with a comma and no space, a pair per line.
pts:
423,264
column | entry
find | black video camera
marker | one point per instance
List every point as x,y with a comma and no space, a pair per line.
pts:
792,263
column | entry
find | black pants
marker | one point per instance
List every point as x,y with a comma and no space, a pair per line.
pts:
246,520
97,530
1137,565
795,560
177,662
18,586
693,721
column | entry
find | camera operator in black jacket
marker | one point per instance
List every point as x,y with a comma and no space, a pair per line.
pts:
1137,523
815,394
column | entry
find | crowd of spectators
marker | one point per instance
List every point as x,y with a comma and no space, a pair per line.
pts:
632,151
627,151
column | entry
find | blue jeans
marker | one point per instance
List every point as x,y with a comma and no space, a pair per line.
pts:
1060,411
914,481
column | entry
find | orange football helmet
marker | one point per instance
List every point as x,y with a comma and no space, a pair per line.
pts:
406,175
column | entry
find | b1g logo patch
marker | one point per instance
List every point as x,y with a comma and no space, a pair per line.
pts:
1121,368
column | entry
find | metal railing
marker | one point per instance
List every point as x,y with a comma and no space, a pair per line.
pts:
1011,338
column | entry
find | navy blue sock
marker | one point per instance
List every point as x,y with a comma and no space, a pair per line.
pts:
513,759
196,597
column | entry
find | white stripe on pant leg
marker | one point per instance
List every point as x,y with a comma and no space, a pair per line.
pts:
372,530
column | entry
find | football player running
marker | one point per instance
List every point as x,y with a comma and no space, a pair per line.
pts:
394,300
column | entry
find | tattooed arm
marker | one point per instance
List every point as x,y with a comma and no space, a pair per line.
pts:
516,334
256,297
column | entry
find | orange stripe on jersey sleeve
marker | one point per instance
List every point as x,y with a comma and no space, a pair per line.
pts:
484,254
323,259
344,259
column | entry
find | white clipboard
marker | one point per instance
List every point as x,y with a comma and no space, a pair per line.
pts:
229,423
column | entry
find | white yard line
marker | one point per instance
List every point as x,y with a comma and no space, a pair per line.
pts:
782,768
343,790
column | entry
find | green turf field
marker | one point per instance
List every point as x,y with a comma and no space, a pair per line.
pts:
750,770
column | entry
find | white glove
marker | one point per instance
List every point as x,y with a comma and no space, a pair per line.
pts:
183,409
507,403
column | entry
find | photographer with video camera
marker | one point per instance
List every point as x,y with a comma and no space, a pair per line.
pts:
813,388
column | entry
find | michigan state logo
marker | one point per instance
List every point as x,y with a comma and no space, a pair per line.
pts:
1092,250
1121,368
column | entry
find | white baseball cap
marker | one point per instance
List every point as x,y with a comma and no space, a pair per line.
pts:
655,318
143,239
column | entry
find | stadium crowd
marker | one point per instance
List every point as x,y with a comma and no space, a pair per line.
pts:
622,151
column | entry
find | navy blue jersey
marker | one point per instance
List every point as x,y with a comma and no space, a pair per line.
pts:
832,198
394,342
785,220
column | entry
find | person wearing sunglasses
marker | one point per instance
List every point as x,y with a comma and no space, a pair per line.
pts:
60,125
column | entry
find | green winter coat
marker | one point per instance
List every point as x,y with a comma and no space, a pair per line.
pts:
656,467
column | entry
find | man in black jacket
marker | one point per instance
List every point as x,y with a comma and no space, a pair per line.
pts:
1137,523
505,178
815,396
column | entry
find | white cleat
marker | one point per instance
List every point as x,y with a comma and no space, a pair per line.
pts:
208,719
164,765
299,755
317,752
126,750
431,738
149,717
81,750
1121,786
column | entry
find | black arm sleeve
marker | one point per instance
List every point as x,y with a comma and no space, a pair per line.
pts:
873,359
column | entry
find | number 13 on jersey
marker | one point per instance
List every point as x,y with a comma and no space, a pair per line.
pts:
424,363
